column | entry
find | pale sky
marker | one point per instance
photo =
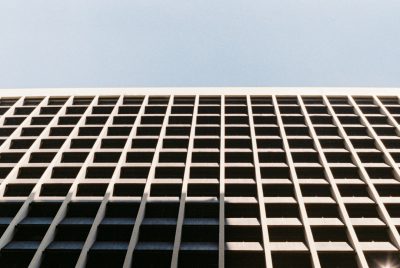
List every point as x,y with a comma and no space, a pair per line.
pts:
99,43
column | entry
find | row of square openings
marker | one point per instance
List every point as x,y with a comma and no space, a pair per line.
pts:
202,109
201,119
204,99
203,189
206,158
172,130
206,142
198,157
119,220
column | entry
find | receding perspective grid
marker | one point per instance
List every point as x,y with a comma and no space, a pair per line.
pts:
253,177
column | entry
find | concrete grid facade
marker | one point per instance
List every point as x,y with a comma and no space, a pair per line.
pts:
200,178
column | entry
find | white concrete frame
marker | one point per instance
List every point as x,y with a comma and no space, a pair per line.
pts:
360,249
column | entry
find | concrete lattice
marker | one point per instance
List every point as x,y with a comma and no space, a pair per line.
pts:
253,178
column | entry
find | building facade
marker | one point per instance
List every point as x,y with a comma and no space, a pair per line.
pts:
231,177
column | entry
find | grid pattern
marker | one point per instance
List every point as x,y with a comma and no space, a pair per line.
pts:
200,181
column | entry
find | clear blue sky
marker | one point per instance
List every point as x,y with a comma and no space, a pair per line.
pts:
96,43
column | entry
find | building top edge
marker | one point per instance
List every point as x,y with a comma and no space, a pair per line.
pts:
201,91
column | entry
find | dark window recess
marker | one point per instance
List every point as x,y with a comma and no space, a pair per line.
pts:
128,109
238,143
106,157
205,157
282,210
172,157
41,157
41,120
241,210
182,110
144,143
206,143
13,121
362,211
292,259
76,110
305,157
244,190
92,189
152,120
4,101
139,157
338,157
57,100
65,172
175,143
293,120
4,171
133,100
107,100
89,131
275,173
51,143
301,143
23,110
278,190
10,157
119,131
201,120
177,131
332,143
82,143
8,210
5,132
158,99
169,172
270,143
134,172
30,172
148,131
264,120
272,157
322,211
99,172
337,259
209,110
353,190
60,131
122,120
49,110
102,109
18,189
74,157
155,109
113,143
96,120
203,189
235,109
204,172
31,131
321,119
236,131
68,120
316,190
82,100
28,101
207,131
165,190
128,189
54,189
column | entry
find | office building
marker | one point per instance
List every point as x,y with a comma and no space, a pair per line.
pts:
186,177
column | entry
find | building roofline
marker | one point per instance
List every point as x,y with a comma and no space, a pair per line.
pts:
201,90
